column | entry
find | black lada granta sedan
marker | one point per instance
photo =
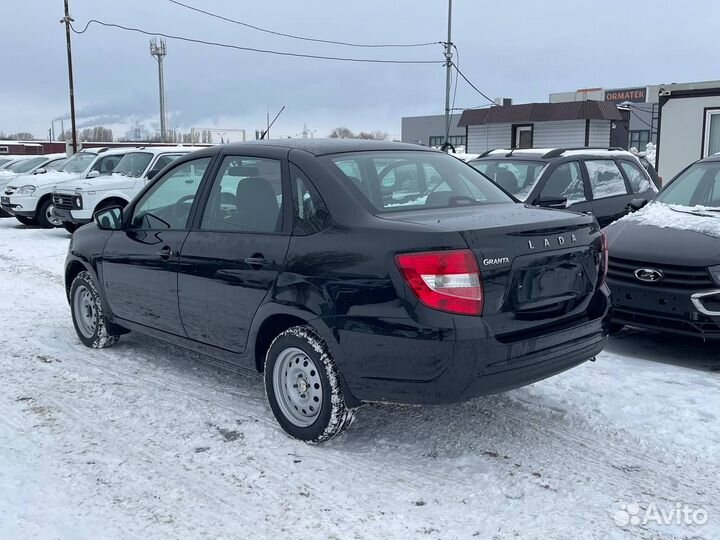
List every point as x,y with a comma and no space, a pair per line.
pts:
346,271
664,268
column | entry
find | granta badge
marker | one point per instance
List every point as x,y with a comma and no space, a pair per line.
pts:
498,260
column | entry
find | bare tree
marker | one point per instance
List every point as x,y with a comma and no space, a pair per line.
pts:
375,135
341,133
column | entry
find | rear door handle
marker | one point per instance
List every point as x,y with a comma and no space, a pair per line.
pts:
165,253
257,261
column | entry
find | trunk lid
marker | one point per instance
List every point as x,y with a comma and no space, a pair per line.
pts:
540,267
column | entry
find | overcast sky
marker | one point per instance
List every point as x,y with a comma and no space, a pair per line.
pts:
523,49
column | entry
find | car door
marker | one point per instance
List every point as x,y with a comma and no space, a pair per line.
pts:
610,193
565,181
140,262
232,258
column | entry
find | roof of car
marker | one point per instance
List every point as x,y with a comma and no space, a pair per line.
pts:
545,154
714,157
163,149
326,146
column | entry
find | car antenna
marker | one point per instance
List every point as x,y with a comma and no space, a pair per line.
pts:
271,123
509,154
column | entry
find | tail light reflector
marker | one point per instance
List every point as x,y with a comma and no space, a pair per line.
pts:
444,280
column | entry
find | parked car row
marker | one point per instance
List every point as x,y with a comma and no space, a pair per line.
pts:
88,181
362,271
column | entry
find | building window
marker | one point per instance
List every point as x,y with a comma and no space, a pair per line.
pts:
455,140
4,150
639,139
522,136
711,136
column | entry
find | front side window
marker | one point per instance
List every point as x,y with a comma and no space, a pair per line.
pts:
133,164
517,177
246,196
78,162
394,181
167,204
54,165
638,181
698,185
164,160
565,182
606,180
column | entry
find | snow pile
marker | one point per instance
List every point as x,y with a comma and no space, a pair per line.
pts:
699,219
650,151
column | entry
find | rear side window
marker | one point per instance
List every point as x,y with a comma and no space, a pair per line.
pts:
246,196
394,181
606,180
638,181
565,182
310,212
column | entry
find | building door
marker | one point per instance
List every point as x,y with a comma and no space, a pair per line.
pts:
522,136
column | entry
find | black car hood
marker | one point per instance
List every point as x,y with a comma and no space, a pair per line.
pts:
663,245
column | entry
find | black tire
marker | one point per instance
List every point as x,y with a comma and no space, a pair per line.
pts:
102,334
333,416
70,227
26,220
41,215
615,328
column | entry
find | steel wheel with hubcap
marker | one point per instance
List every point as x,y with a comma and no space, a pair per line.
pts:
46,215
87,313
303,388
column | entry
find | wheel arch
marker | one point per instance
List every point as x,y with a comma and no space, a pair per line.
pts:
109,201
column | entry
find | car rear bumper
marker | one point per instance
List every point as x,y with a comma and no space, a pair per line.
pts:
679,311
403,363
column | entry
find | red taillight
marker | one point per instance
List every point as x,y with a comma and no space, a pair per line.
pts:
445,280
603,257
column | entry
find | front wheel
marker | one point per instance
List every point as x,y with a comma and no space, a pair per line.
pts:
87,313
303,386
45,215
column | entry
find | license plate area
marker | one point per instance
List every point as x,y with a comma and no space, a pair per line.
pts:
552,280
649,300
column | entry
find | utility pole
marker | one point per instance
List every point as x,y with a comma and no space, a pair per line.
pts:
448,78
67,20
158,50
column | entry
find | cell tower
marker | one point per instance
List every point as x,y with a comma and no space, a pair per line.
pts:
158,50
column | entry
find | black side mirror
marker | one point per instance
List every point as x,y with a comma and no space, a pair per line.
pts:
151,174
553,202
40,171
636,204
109,219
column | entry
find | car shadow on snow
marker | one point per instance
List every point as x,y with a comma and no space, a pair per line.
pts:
668,349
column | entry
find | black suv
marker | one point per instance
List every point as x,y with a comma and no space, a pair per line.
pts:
602,182
347,271
664,269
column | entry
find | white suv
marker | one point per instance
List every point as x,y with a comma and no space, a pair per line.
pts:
29,198
76,202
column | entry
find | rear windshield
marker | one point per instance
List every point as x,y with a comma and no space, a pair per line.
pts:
397,181
133,164
517,177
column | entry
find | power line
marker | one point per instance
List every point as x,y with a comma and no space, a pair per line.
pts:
303,38
472,85
636,115
248,49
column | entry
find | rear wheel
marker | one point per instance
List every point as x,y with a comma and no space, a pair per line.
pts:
45,215
70,227
26,220
303,386
86,306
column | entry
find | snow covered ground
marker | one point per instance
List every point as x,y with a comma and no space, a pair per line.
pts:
146,441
